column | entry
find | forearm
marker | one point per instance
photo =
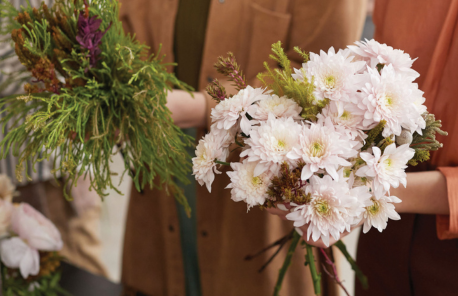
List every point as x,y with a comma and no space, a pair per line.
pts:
186,110
426,193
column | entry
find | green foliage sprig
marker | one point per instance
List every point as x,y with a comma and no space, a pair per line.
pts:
78,112
281,82
427,141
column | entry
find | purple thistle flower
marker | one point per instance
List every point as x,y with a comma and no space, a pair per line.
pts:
89,36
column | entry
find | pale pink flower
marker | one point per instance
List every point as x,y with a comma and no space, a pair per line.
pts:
333,74
377,211
388,169
388,97
270,142
322,147
229,111
245,186
278,106
213,147
31,226
35,233
375,53
327,214
15,253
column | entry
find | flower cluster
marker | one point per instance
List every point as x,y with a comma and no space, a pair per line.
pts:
334,170
25,234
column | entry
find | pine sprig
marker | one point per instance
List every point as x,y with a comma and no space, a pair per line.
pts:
282,83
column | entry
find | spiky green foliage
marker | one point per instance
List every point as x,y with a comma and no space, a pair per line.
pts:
81,116
427,140
282,83
374,135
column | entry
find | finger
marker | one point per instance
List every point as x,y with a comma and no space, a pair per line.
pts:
275,211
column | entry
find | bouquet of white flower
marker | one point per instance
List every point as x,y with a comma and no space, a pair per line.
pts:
325,142
29,243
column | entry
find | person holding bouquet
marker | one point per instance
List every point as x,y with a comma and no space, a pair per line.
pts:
165,253
419,255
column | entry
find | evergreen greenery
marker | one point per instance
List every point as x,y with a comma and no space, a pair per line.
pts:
86,100
280,81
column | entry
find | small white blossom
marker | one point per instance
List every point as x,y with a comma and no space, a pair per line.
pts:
334,75
278,106
270,142
387,169
375,53
212,147
246,186
351,119
377,211
228,112
322,147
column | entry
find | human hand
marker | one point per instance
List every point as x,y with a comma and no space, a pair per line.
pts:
186,110
303,229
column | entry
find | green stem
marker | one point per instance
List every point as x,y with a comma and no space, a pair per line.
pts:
222,162
316,277
287,262
359,274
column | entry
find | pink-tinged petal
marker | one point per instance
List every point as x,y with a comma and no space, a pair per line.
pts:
245,125
36,229
306,172
377,152
12,251
332,172
259,169
30,263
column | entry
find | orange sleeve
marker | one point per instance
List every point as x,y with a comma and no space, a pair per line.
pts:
447,226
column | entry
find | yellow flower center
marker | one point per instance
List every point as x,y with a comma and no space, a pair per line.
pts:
330,81
388,162
322,207
317,149
374,208
346,115
256,181
281,144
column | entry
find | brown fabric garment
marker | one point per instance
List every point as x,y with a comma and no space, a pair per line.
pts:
152,261
408,258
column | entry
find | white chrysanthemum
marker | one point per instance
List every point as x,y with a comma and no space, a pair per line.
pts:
246,186
226,114
7,188
388,97
322,147
375,53
334,75
377,211
278,106
212,147
387,169
351,119
270,142
326,213
416,122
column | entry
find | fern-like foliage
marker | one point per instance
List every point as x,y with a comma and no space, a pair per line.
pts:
77,108
281,82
